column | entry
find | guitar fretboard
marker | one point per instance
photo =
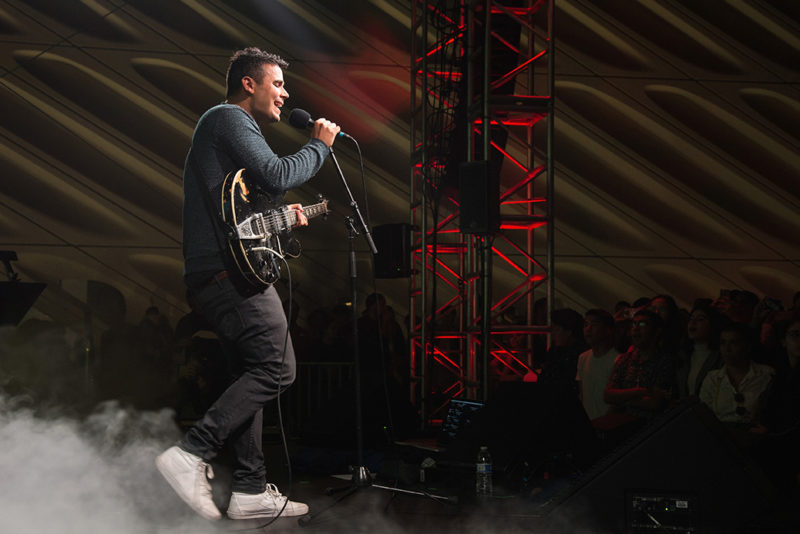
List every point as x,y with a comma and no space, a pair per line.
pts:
283,219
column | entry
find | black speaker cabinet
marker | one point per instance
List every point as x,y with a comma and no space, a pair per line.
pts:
393,259
524,425
681,473
479,193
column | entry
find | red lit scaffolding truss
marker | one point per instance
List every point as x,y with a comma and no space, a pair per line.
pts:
481,195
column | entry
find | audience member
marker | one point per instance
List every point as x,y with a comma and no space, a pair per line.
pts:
311,346
778,452
623,319
157,359
783,408
595,365
382,345
768,318
701,349
338,336
795,302
736,392
737,305
566,344
189,324
672,334
156,336
643,379
201,369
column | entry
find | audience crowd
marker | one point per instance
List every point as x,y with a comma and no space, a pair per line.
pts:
737,354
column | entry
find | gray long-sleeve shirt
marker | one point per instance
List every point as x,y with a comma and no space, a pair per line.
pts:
227,139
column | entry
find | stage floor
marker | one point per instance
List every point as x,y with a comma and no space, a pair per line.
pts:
375,509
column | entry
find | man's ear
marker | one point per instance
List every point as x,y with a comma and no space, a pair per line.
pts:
248,85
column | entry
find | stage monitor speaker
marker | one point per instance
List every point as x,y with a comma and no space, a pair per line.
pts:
479,195
682,471
525,425
393,259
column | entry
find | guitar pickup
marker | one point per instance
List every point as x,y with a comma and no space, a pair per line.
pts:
252,228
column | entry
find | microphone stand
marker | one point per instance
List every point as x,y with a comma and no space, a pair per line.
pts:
361,477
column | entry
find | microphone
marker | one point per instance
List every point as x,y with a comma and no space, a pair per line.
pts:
300,118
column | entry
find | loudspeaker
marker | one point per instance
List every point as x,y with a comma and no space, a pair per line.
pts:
683,467
479,193
393,259
526,425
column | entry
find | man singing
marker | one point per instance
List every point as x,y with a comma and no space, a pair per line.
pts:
250,324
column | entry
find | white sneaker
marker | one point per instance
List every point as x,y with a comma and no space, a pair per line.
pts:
186,473
267,504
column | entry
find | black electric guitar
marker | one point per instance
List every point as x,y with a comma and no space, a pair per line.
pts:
260,235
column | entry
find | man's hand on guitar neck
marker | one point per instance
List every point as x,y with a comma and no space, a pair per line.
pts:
301,218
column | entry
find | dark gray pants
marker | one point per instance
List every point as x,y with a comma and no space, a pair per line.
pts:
252,330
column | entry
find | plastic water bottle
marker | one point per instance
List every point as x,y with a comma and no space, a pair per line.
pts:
483,473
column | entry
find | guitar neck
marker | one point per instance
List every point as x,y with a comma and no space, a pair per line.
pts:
321,208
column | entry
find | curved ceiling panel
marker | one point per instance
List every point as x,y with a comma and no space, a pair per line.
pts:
7,226
109,107
32,124
597,221
779,109
623,183
110,102
159,269
183,85
8,24
390,90
595,39
771,281
304,26
44,267
673,34
790,9
751,27
597,286
88,18
658,144
681,282
730,133
195,20
34,186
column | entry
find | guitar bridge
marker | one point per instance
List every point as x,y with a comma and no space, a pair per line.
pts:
252,228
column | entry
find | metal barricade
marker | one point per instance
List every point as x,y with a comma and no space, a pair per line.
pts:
316,384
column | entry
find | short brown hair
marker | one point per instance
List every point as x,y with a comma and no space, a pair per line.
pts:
248,62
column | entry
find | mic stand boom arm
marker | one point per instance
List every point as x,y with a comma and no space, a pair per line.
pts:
354,205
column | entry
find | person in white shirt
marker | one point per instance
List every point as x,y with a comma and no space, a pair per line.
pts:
595,365
736,392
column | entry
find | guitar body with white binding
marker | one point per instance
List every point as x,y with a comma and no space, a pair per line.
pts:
260,236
